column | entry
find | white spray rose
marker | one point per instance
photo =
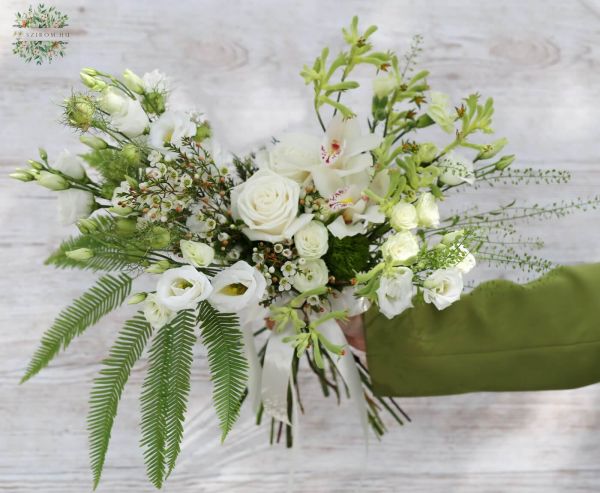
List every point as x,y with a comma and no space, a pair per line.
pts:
238,288
400,248
70,165
182,288
196,253
268,205
427,211
443,287
155,312
395,292
312,241
312,274
131,119
172,127
74,204
403,216
456,169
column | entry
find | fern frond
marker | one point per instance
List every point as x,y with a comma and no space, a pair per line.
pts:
164,395
228,366
109,385
106,295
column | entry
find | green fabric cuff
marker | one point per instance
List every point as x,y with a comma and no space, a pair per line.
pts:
500,337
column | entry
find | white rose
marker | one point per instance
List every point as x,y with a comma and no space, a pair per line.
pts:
70,165
238,288
427,210
443,287
155,312
395,292
172,127
400,248
467,263
403,216
289,156
182,288
312,241
74,204
456,169
268,205
196,253
131,119
311,275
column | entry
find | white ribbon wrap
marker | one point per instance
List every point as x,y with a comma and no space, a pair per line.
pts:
254,368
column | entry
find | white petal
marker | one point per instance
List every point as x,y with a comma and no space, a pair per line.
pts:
362,144
340,229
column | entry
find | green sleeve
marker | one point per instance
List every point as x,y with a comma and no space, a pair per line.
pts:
500,337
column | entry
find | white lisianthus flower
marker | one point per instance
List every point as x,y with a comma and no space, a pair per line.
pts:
131,119
70,165
439,111
467,263
238,288
171,128
427,211
312,241
74,204
395,292
443,287
268,205
112,100
183,287
312,274
196,253
456,169
155,312
400,248
403,216
289,156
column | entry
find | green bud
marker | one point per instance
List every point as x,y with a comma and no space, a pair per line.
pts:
131,152
22,175
94,142
81,254
504,162
43,154
488,151
120,211
159,237
424,121
137,298
87,226
202,132
426,152
154,102
126,227
133,82
52,181
90,71
93,83
159,267
36,164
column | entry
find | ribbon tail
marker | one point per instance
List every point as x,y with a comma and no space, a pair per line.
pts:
254,368
276,374
349,372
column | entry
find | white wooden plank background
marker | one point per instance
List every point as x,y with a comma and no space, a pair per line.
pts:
239,60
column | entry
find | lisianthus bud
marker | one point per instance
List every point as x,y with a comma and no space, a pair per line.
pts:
490,150
43,154
22,175
81,254
36,165
52,181
90,71
505,162
94,142
159,267
93,83
137,298
196,253
87,226
133,82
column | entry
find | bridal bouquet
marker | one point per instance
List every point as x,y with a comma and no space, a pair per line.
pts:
264,257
